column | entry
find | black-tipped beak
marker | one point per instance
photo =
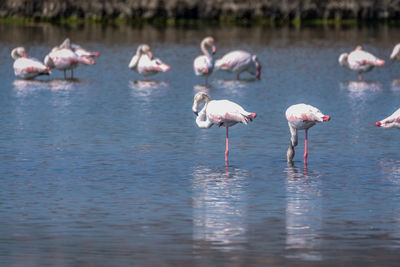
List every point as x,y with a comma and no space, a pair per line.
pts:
196,113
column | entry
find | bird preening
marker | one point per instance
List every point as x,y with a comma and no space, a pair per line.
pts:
221,113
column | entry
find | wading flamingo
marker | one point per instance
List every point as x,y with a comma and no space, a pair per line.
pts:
63,58
360,61
220,112
302,117
239,61
393,121
204,65
26,67
144,63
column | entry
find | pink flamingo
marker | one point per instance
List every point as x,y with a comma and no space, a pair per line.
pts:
239,61
360,61
144,63
393,121
204,65
220,112
302,117
26,67
63,58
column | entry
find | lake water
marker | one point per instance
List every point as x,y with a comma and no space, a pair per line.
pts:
110,170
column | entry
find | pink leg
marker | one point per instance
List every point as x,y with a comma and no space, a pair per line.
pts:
359,77
72,74
238,76
306,148
227,147
65,75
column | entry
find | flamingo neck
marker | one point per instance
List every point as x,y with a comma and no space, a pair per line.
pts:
204,49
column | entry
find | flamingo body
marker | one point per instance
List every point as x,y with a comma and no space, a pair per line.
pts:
204,65
360,61
393,121
65,59
144,63
220,112
239,61
302,117
26,67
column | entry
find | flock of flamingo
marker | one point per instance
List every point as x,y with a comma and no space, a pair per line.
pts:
225,113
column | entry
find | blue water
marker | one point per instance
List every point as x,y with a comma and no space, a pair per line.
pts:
110,170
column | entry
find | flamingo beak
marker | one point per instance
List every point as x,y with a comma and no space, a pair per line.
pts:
25,55
214,49
378,123
258,75
196,113
96,54
326,118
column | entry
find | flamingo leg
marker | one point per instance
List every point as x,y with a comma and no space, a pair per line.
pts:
72,74
359,77
65,75
238,76
227,146
306,148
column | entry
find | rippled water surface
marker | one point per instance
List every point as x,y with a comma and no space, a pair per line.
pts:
111,170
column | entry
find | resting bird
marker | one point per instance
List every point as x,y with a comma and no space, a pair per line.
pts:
204,65
220,112
393,121
26,67
63,58
144,63
360,61
395,55
239,61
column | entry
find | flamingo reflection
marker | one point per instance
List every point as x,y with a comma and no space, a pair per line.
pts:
219,208
303,214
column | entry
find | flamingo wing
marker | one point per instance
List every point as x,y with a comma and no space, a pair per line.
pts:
225,111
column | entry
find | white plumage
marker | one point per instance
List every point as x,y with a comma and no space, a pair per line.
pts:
393,121
239,61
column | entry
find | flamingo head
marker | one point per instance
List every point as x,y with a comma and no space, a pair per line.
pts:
209,41
197,100
258,67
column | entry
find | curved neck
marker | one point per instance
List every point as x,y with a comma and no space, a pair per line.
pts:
14,54
204,49
202,119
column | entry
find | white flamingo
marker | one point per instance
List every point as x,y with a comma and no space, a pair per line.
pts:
393,121
360,61
26,67
220,112
79,50
63,58
204,65
239,61
302,117
395,55
144,63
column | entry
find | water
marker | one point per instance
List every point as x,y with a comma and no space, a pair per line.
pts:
109,170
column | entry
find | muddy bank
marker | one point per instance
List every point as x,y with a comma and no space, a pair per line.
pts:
273,10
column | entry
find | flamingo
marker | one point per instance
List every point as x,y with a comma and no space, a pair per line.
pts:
395,55
360,61
393,121
26,67
63,58
239,61
220,112
79,50
204,65
302,117
144,63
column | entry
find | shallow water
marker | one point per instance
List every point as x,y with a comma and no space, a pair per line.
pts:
111,170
